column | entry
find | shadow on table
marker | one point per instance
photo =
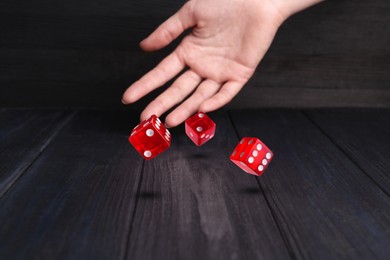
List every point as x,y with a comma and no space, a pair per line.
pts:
149,195
250,190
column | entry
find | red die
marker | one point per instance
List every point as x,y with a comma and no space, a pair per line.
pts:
252,156
150,138
200,128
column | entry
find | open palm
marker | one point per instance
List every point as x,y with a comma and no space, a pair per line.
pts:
220,54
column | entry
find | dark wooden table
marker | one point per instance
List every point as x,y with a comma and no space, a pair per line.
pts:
72,187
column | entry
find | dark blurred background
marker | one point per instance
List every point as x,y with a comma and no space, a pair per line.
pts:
84,53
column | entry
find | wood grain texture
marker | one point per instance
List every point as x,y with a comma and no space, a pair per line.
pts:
60,78
196,204
77,200
72,53
252,97
89,195
24,135
364,135
108,8
328,207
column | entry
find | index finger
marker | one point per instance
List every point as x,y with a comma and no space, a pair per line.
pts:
161,74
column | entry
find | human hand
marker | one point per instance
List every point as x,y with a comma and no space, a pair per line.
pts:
227,42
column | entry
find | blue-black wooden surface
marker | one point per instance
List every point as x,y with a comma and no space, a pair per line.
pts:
72,187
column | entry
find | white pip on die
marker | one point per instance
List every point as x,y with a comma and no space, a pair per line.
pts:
150,138
252,156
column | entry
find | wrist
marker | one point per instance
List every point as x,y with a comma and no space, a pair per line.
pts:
287,8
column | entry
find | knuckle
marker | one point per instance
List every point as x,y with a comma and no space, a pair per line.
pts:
160,71
177,93
223,98
160,104
144,115
167,35
193,76
201,94
177,87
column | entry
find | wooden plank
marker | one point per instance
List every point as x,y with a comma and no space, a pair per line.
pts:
75,65
67,77
196,204
53,31
62,78
364,135
343,27
331,71
120,8
328,207
24,134
332,27
77,200
263,97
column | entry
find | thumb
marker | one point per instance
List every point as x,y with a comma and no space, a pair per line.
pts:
170,29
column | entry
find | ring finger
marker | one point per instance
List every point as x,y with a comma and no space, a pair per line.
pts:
204,91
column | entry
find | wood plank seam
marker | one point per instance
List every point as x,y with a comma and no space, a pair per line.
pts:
284,232
277,221
344,152
126,253
55,133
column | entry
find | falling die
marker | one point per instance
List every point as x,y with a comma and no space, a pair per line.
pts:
150,138
200,128
252,156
